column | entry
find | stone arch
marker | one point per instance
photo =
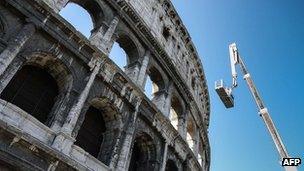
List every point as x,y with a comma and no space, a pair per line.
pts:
90,136
177,109
82,22
107,130
158,82
95,10
173,161
33,90
41,85
59,70
129,46
64,77
171,166
144,155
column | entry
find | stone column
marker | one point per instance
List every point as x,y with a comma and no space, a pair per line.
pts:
162,99
105,41
196,142
132,71
64,140
15,45
167,102
57,5
182,124
163,167
9,73
76,109
159,100
142,75
125,152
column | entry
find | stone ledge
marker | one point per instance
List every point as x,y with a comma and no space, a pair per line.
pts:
33,136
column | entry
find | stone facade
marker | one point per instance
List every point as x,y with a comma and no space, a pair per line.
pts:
65,105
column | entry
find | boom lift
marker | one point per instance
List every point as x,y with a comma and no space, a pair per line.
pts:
227,98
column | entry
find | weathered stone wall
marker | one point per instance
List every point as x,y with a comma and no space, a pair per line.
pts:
160,14
32,33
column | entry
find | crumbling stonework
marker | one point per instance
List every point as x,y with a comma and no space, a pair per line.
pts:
65,105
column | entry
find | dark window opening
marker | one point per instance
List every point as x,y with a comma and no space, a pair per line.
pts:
171,166
136,158
166,32
90,136
143,154
33,90
193,83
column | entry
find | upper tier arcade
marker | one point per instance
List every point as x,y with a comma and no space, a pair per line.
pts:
67,103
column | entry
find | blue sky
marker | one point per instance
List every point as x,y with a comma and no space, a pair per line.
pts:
270,37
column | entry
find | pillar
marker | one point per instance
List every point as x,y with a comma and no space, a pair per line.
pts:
164,162
9,73
132,71
64,140
104,41
196,142
167,102
162,99
125,152
15,45
57,5
142,75
74,113
182,124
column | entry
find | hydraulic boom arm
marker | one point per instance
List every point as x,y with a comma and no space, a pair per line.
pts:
235,59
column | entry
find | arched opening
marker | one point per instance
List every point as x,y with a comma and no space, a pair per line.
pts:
171,166
154,82
173,117
124,52
190,133
90,136
100,129
176,110
78,17
118,55
143,154
34,90
149,88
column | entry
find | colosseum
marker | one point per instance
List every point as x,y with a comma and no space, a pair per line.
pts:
66,105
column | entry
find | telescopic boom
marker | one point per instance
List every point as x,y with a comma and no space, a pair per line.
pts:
235,59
